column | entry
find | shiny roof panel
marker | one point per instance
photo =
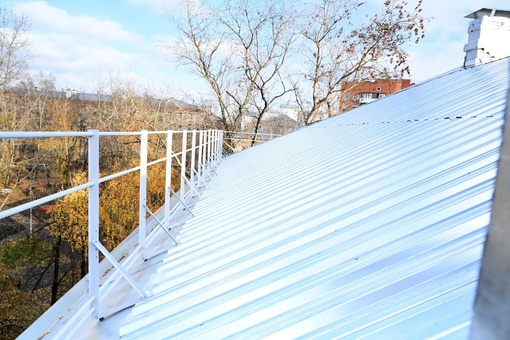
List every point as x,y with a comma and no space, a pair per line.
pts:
370,224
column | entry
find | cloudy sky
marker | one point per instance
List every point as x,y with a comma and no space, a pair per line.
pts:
84,43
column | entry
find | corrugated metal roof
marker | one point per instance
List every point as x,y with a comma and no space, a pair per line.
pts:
370,224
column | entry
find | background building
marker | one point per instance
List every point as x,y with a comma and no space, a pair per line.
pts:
355,94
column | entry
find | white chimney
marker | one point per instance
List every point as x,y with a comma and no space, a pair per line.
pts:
489,36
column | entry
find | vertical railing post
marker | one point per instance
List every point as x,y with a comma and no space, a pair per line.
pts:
93,218
221,144
200,143
168,177
183,162
193,146
216,145
209,139
204,153
213,146
144,139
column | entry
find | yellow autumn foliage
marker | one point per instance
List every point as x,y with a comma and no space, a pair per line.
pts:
20,306
70,217
118,209
118,212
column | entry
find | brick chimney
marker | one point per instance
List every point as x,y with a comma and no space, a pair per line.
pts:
489,36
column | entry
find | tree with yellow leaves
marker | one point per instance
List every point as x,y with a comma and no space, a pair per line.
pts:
22,283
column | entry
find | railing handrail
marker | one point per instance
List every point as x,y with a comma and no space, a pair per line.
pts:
44,134
42,200
88,133
254,133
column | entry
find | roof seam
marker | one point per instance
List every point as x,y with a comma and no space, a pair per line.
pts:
411,120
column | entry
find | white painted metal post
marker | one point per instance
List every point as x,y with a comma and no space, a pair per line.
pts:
216,138
168,177
209,135
213,143
93,216
221,143
144,138
211,146
183,163
193,146
200,143
204,153
218,146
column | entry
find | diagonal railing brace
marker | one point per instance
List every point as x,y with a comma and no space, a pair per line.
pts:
119,267
200,178
192,187
161,225
182,202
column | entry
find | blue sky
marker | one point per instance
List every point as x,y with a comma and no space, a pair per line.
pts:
85,43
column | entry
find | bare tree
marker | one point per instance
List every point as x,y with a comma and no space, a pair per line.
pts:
14,46
240,51
251,54
14,58
262,32
340,44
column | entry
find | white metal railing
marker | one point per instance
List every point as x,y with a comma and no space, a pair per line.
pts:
249,136
201,152
237,141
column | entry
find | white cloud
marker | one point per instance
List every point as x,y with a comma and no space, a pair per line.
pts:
82,50
159,5
41,14
78,65
445,36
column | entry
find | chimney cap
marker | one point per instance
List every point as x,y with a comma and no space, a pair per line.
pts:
491,12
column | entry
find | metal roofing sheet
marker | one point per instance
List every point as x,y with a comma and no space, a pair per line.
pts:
369,224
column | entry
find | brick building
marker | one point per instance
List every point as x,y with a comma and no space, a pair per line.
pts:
355,94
